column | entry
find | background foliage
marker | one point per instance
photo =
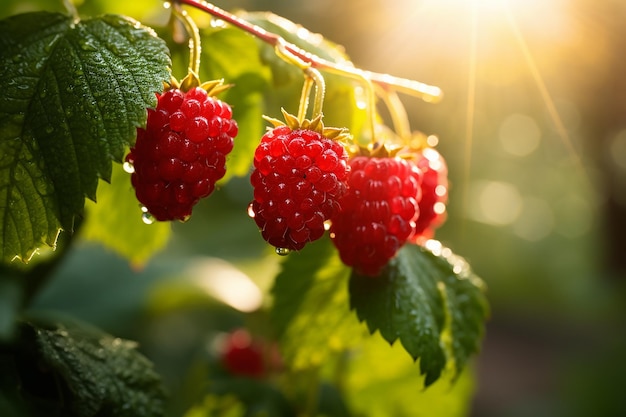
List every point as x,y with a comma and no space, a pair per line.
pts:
527,217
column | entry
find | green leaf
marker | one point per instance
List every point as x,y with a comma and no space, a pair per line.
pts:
311,312
249,78
382,380
258,397
103,375
122,228
10,303
74,93
429,300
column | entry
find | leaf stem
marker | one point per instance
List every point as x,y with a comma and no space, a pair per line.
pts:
428,93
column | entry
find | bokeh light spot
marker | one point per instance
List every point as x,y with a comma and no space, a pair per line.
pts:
519,135
495,202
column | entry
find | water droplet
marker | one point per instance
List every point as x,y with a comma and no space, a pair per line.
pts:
217,23
128,167
185,219
167,4
327,225
147,217
87,45
251,211
283,251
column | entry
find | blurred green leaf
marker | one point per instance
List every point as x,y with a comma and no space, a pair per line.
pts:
218,406
233,55
74,94
311,312
430,301
122,229
382,380
10,303
99,374
260,398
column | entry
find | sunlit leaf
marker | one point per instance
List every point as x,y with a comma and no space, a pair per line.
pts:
430,301
122,228
74,93
311,311
382,380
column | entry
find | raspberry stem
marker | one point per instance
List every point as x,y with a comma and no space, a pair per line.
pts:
320,90
194,37
304,98
428,93
398,114
310,74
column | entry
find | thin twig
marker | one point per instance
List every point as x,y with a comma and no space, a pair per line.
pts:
428,93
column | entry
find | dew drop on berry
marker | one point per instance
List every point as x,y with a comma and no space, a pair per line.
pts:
147,218
128,167
251,212
283,251
327,225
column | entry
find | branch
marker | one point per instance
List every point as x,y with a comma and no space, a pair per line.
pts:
428,93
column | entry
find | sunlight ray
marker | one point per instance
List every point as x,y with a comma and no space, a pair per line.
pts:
545,94
471,107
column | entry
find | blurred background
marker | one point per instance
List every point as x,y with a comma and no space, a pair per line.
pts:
533,127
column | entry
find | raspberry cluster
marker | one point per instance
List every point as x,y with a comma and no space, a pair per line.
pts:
434,194
182,152
378,212
298,179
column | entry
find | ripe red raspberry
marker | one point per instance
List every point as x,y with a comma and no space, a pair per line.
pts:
242,356
377,213
434,194
298,178
182,152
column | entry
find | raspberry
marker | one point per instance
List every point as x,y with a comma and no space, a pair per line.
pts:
298,178
182,152
434,194
242,356
377,213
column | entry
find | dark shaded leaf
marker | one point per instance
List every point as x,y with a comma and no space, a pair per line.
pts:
99,375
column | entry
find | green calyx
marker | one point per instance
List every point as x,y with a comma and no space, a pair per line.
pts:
376,150
316,124
192,81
